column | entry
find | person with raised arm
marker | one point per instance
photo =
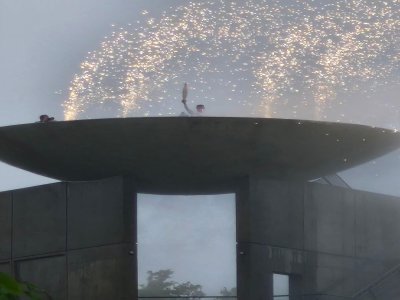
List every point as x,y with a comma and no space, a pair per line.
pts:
199,108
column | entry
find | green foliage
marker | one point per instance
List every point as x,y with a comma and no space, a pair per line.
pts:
232,292
11,289
160,284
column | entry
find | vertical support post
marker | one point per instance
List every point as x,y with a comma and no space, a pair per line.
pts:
254,276
130,204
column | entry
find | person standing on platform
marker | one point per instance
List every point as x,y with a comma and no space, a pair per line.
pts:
45,119
199,108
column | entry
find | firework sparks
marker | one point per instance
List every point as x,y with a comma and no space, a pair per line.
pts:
262,52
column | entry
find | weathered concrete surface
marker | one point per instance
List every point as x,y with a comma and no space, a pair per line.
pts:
329,219
387,289
100,273
191,155
377,226
50,274
101,230
5,225
269,214
5,268
267,210
39,220
95,213
254,278
332,241
130,229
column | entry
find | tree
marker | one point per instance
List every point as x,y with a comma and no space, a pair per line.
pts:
232,292
160,284
11,289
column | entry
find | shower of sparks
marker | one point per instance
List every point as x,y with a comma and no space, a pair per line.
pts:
260,55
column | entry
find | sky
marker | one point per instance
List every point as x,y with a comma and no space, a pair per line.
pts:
42,45
317,59
48,50
193,235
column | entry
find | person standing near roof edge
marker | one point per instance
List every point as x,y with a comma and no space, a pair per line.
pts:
45,119
199,108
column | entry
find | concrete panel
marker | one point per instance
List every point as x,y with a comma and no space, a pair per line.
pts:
5,225
275,213
378,233
39,220
96,213
5,268
329,214
48,274
99,273
329,274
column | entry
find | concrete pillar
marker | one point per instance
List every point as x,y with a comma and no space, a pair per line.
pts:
130,202
254,280
269,230
5,227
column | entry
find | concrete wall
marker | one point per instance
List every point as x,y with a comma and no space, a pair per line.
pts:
72,239
333,241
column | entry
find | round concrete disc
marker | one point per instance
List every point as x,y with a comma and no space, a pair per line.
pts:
191,154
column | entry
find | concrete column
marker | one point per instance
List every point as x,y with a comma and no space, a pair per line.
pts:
254,280
270,220
130,203
5,226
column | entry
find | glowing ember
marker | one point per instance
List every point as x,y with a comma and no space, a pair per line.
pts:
264,55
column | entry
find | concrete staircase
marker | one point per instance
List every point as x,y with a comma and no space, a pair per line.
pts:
386,287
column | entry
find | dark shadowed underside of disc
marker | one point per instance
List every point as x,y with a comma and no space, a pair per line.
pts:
191,155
